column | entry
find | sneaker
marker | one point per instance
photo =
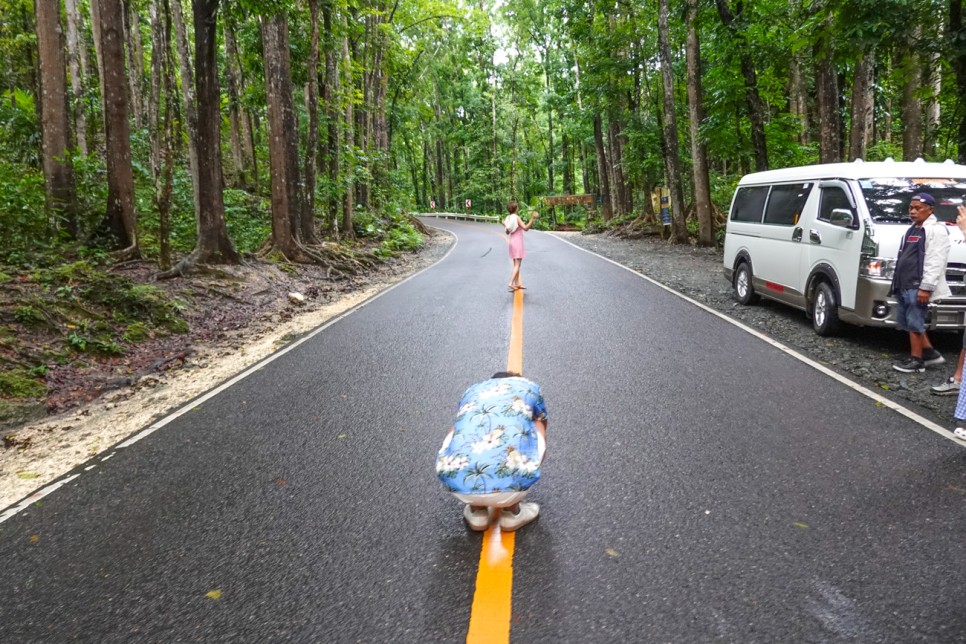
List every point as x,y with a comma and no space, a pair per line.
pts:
960,433
478,519
947,388
932,357
910,365
527,513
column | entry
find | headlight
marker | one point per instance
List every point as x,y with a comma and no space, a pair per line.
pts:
879,267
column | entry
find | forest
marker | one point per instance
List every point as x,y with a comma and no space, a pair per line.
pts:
194,132
191,134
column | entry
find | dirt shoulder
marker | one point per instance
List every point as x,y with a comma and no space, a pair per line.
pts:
236,318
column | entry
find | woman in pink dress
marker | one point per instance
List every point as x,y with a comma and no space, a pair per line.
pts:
514,227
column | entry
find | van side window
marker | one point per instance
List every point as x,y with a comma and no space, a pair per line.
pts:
749,203
785,203
832,198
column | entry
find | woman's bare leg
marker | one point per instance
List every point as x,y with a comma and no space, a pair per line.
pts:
515,274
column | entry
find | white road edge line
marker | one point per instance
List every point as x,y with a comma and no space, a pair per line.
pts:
885,402
40,493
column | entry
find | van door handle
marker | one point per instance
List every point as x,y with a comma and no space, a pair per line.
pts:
814,237
797,234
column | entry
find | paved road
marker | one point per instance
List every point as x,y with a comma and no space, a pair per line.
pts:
700,485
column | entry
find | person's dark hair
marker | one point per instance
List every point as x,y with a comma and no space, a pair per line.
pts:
512,207
505,374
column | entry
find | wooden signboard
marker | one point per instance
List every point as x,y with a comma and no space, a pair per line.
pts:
569,200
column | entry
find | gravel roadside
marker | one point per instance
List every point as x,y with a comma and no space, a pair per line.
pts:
864,354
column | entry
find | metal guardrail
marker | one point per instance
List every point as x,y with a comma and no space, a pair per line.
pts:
459,215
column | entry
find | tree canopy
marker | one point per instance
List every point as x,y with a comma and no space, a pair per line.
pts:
199,130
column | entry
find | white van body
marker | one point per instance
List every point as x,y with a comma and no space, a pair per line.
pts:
824,239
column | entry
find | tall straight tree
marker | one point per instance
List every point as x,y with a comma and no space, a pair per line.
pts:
699,150
213,245
120,220
956,37
672,161
283,139
77,64
55,128
756,111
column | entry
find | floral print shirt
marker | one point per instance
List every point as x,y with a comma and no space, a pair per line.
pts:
493,446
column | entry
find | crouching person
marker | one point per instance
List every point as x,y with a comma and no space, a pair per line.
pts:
492,455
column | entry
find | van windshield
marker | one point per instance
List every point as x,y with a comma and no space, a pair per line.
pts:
888,198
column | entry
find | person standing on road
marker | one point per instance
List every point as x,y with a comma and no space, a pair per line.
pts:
492,455
515,227
919,278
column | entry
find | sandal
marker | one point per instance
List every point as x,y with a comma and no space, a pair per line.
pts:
960,433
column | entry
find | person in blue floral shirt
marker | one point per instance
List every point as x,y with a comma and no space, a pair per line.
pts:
493,454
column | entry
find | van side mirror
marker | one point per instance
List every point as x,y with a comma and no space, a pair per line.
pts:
842,217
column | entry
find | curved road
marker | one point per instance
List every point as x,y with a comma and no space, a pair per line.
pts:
700,485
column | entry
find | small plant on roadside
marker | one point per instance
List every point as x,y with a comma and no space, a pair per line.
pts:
27,315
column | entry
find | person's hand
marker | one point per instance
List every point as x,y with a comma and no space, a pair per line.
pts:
923,296
961,218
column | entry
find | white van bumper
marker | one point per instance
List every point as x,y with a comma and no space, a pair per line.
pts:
875,307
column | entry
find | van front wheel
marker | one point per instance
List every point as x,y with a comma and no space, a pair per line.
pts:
825,310
744,291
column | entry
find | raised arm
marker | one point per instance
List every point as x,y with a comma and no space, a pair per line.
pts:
533,215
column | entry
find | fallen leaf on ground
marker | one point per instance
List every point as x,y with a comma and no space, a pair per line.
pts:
611,552
214,594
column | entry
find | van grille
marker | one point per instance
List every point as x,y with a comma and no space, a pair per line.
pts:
955,274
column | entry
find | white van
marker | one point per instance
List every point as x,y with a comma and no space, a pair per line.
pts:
824,239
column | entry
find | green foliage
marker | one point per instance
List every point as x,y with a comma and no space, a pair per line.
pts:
19,130
23,223
27,315
21,383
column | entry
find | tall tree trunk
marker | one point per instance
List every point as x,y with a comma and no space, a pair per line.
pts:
132,36
330,101
912,118
602,174
232,76
346,230
672,161
827,106
933,109
699,150
164,126
214,246
312,107
154,99
55,123
863,103
616,166
77,65
798,100
282,137
190,103
248,164
957,35
568,169
120,219
756,111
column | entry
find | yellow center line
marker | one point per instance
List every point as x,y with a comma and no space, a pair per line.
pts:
492,602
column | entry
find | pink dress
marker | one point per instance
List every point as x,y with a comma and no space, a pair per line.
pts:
516,244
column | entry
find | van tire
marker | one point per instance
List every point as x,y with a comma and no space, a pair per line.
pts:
744,290
825,310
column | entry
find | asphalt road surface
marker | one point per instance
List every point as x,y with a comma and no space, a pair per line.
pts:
700,485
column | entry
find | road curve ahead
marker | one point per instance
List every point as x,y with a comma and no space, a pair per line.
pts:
700,485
